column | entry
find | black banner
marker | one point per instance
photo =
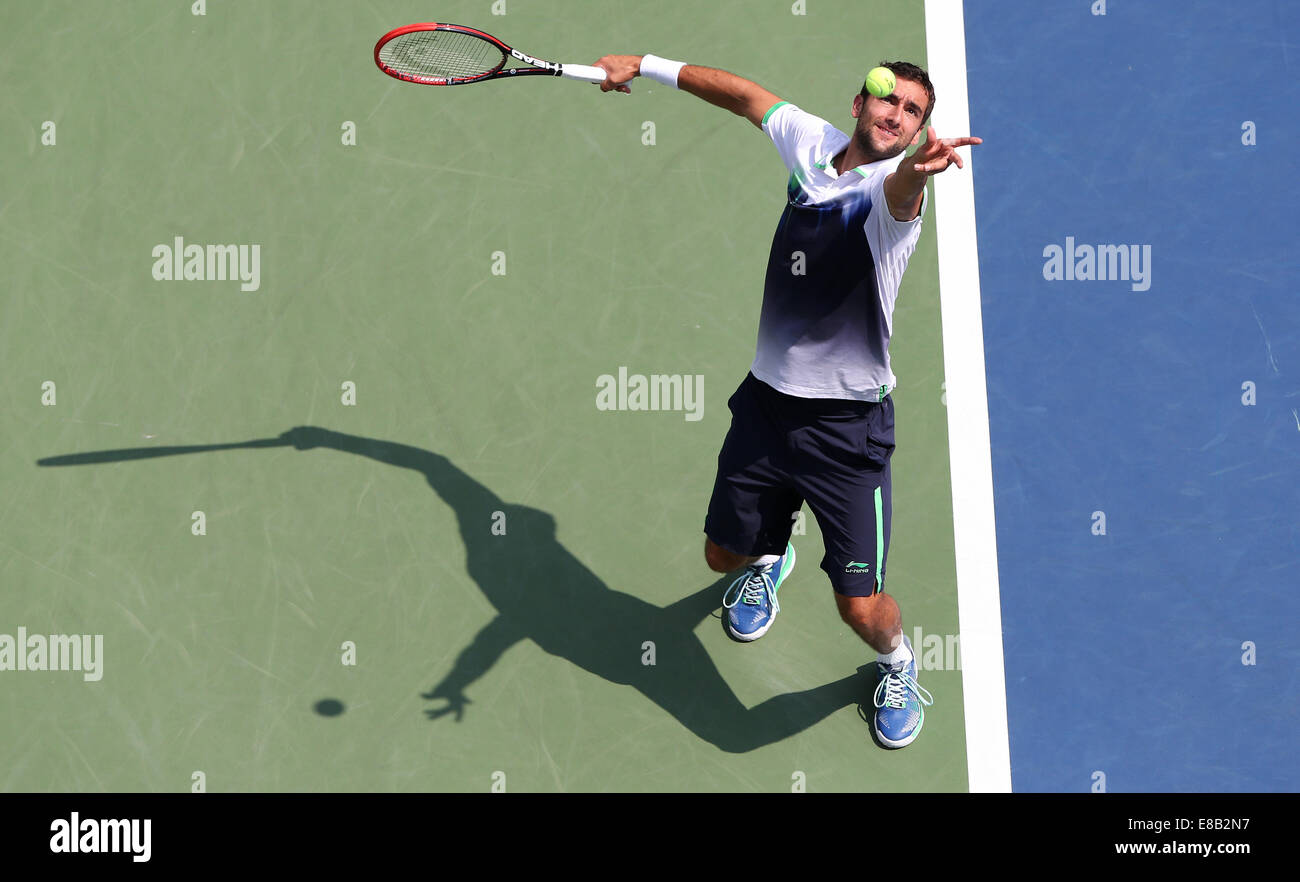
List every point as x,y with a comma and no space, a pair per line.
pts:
495,831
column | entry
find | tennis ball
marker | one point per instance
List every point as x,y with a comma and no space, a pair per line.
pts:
880,82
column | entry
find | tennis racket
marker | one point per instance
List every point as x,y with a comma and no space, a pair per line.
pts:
453,55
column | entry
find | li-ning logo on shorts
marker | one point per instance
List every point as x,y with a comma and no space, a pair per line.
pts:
854,568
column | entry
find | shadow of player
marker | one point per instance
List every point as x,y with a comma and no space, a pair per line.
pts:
543,593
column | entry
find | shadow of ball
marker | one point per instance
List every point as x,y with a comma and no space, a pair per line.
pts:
329,707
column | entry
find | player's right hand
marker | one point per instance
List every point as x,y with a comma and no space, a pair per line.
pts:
622,69
302,437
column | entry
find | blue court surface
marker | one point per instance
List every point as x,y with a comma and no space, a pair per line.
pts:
1144,402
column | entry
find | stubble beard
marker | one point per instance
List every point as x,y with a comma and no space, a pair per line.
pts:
862,137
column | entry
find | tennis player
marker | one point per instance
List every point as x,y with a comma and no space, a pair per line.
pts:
814,420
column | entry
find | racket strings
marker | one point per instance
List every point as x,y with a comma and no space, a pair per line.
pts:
442,55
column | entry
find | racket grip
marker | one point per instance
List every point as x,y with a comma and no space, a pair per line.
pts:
585,72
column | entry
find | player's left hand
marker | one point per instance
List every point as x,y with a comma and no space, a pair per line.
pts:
936,154
455,699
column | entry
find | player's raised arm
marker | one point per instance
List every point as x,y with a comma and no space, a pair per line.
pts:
726,90
903,188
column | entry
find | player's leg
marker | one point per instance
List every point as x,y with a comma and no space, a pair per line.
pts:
751,514
845,477
871,613
853,514
875,618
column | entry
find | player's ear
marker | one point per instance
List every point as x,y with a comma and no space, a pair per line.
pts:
858,101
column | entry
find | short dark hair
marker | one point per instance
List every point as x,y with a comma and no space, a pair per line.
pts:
904,70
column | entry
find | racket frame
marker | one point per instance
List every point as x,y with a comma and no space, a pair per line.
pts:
539,67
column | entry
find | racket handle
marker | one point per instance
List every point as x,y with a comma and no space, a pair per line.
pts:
585,72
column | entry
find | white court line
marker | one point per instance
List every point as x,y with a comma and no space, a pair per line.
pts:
988,755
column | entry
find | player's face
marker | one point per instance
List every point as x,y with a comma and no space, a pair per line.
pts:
888,126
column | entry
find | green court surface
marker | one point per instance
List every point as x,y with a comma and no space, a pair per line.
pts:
475,409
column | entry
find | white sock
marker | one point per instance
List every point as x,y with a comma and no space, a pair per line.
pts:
901,655
766,560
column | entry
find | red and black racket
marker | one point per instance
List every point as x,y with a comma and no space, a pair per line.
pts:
453,55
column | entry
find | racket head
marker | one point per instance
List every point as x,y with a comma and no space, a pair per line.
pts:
434,54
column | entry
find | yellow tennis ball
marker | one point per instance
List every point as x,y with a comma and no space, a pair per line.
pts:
880,82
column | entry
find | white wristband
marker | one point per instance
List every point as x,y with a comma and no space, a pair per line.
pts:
661,70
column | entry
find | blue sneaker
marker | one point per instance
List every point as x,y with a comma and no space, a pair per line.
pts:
751,600
900,703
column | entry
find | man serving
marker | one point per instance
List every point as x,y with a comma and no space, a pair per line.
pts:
814,419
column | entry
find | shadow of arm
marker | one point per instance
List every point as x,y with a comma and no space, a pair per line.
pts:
457,489
473,662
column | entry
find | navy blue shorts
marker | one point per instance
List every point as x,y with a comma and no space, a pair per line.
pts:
832,453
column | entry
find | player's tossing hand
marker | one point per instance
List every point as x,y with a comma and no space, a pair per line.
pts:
622,69
936,154
455,699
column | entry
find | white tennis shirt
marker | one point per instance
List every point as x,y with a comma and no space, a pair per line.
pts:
833,273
